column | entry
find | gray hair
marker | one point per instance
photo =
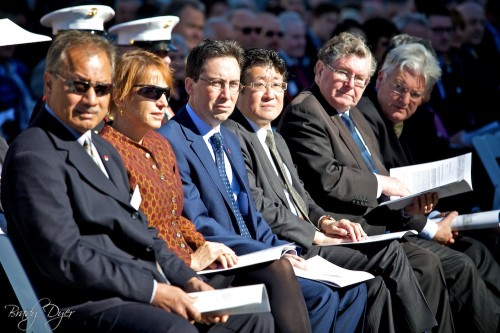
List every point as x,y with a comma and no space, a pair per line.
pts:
289,18
57,55
415,58
346,44
401,21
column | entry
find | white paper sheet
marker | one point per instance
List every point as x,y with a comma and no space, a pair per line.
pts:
446,177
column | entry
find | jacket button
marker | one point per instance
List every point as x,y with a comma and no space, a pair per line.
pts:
149,249
135,215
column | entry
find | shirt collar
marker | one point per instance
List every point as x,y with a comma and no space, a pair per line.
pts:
79,136
260,131
205,130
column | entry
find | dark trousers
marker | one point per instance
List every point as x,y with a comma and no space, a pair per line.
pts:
395,304
472,278
430,275
132,317
296,302
285,295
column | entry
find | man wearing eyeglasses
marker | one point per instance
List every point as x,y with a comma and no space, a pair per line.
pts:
246,27
86,247
271,34
291,213
400,91
217,196
338,159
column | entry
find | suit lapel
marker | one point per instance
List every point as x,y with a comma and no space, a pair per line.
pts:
264,161
346,137
111,163
65,141
282,148
200,149
370,140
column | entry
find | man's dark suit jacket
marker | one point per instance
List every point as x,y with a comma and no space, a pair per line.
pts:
83,244
394,152
268,191
398,152
331,166
206,201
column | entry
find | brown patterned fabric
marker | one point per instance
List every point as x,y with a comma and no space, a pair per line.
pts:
153,167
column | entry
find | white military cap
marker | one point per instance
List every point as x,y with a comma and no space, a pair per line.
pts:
12,34
152,33
87,17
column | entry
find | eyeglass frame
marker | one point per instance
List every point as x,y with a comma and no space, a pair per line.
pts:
348,76
284,86
70,83
222,84
414,95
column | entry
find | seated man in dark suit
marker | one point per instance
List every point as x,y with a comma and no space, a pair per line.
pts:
86,248
338,158
217,197
291,213
404,81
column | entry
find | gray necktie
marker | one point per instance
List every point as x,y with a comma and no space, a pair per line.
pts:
87,145
297,199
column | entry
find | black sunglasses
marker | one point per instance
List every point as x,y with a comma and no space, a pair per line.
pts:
271,33
153,92
248,30
81,87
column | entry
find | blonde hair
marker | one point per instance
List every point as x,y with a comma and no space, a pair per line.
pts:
137,67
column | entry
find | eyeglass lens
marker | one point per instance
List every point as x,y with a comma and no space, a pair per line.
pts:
153,92
81,87
248,30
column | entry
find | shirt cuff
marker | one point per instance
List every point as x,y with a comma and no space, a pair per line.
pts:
155,286
379,187
429,230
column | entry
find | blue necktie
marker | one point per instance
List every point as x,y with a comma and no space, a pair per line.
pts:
355,136
216,141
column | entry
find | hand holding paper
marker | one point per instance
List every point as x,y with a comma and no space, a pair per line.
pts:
237,300
482,220
446,177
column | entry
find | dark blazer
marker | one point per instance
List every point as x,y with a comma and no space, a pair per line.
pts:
393,152
206,201
79,238
266,186
331,166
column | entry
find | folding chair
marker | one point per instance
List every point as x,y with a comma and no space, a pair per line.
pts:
487,147
22,287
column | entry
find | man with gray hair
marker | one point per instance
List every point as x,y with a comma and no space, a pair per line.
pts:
405,81
292,50
337,157
74,222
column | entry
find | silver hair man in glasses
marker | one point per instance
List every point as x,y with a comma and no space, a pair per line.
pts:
338,159
341,164
404,82
217,194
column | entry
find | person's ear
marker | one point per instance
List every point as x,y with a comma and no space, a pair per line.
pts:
189,85
380,77
47,83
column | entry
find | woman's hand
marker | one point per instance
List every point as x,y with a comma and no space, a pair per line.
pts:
210,252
